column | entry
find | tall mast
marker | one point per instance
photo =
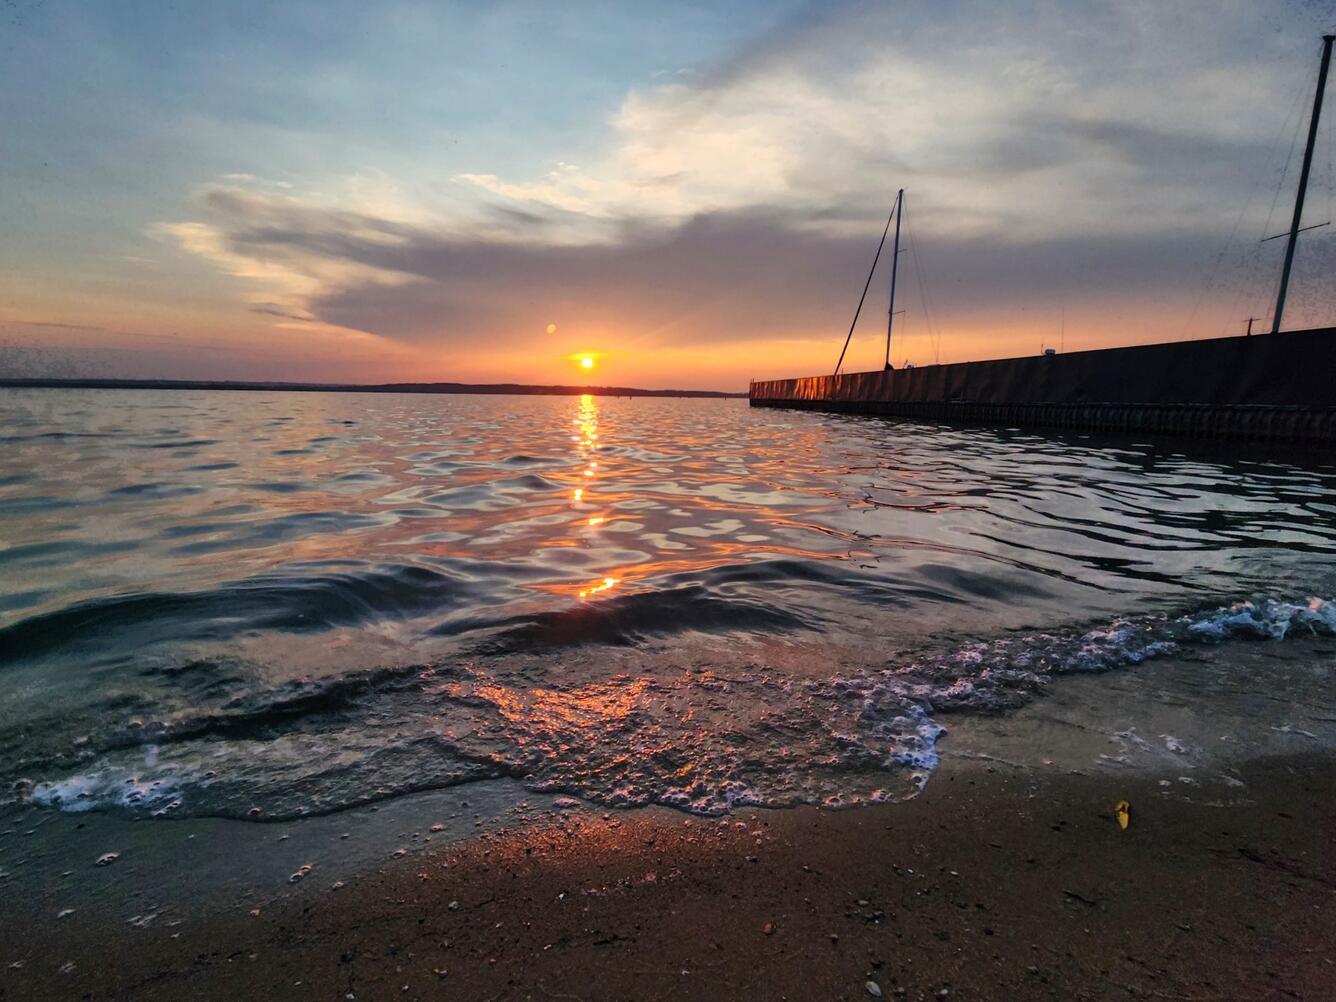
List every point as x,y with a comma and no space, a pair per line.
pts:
1303,184
895,264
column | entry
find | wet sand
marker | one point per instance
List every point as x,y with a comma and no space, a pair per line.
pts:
996,883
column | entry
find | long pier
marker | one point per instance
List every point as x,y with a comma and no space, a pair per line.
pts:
1280,387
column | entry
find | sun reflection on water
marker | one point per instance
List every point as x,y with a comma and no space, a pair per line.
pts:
608,583
586,420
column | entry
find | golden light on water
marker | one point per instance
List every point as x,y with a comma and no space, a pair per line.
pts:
606,584
586,421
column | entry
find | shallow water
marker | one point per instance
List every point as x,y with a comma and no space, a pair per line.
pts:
271,604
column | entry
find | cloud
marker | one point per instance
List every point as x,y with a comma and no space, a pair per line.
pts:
59,326
246,237
270,310
739,276
1051,154
1028,118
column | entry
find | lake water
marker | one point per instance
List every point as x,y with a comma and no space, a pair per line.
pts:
268,605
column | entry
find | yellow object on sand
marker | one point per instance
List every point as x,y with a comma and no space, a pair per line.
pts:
1123,812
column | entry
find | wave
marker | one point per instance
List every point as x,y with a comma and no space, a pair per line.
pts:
698,737
473,600
631,619
296,601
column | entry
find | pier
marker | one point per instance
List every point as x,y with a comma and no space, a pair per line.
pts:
1279,387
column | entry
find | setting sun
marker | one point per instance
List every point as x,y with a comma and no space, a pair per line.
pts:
585,360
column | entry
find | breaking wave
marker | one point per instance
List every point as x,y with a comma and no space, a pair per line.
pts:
689,735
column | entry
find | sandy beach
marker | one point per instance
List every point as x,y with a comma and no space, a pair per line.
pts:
992,885
1007,878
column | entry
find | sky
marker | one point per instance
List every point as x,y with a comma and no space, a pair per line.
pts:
692,193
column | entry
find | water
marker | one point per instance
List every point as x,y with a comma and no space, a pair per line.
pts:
270,605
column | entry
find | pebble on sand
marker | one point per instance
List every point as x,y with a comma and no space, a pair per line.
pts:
873,989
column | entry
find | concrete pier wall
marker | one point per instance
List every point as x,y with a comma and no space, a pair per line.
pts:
1280,386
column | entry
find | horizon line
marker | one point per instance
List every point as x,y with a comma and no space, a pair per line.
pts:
439,386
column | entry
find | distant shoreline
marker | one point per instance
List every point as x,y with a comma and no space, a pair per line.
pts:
502,389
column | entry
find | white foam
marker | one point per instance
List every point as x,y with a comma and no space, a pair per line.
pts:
1269,620
110,788
702,742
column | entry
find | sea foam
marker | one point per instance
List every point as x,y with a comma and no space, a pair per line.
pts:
704,740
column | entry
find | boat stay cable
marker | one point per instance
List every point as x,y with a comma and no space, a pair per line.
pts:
867,285
1300,89
930,318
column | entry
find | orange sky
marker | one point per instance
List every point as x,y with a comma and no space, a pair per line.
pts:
252,205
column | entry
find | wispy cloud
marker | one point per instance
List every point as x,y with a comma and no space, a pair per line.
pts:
1051,153
1034,119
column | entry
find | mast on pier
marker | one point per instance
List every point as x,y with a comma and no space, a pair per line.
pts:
895,264
1303,184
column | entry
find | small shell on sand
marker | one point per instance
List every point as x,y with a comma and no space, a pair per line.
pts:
107,858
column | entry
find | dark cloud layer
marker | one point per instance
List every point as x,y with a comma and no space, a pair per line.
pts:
729,276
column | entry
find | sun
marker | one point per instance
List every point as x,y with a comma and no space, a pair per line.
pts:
585,360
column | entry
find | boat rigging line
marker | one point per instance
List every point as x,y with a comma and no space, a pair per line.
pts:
929,310
1253,255
1303,184
868,284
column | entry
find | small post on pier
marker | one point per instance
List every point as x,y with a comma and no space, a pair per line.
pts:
1303,184
895,264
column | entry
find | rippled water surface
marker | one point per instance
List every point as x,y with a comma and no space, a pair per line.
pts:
223,603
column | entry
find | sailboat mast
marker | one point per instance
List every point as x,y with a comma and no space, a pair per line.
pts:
895,264
1303,184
